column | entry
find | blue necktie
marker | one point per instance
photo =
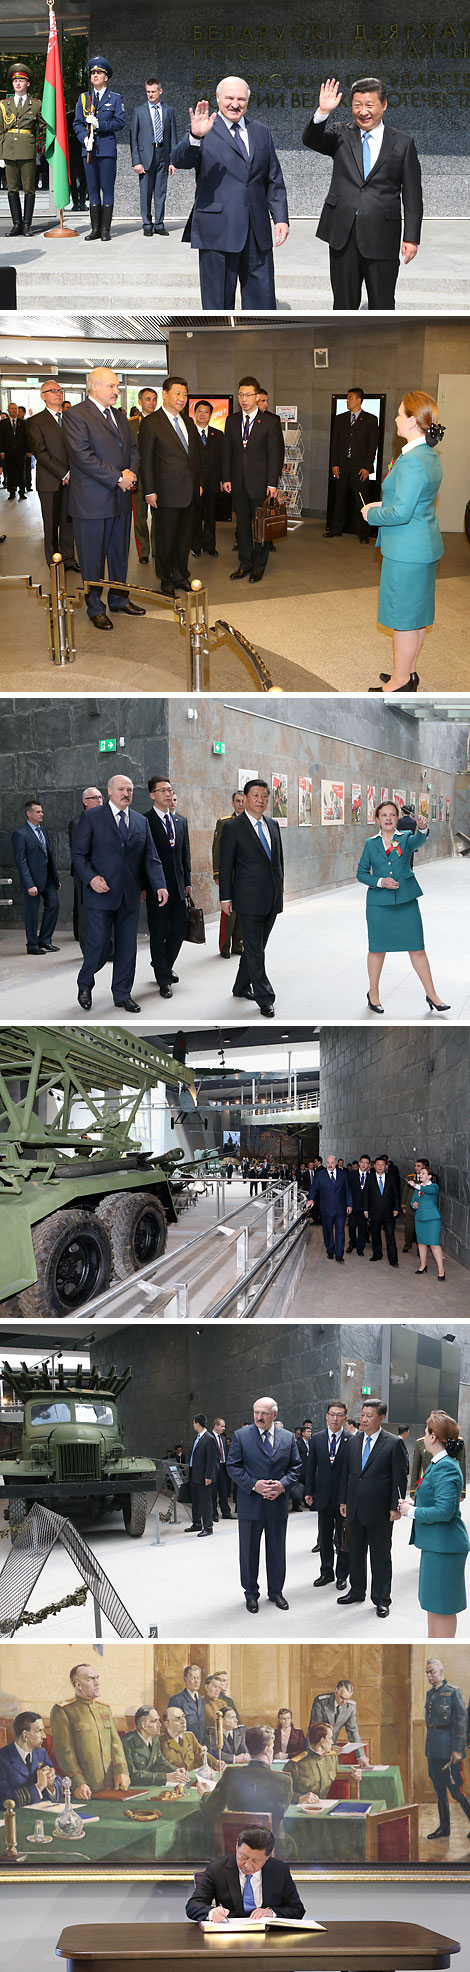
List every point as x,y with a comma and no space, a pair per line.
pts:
122,825
238,141
366,157
113,425
168,825
59,418
192,1453
41,840
268,1447
203,436
157,122
248,1896
381,1183
263,840
181,434
365,1452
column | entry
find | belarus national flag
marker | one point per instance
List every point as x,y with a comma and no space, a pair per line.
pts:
53,111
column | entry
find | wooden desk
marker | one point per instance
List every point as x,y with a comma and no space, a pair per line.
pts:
340,1948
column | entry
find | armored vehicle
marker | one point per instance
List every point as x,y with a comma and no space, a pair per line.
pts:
72,1452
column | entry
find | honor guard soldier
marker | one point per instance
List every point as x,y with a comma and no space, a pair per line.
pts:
98,116
19,115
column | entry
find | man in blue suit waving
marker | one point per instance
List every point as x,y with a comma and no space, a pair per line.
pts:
113,855
239,189
264,1463
153,136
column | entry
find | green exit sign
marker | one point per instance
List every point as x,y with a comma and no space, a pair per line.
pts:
218,746
366,1390
107,746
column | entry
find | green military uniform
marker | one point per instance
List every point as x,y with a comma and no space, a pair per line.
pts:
185,1752
230,937
146,1762
86,1743
446,1733
18,137
313,1773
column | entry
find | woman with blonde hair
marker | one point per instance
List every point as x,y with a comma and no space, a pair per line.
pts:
438,1529
409,538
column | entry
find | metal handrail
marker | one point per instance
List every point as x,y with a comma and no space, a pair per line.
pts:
169,1279
288,1238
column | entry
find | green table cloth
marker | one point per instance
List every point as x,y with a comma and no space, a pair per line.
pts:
325,1837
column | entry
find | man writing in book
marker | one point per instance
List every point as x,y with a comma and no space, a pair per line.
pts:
251,1883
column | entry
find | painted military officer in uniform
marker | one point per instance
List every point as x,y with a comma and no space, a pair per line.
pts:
446,1739
85,1738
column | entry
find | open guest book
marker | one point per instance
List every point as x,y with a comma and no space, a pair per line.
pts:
263,1924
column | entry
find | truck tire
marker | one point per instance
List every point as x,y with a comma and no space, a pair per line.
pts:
135,1514
137,1227
72,1251
17,1514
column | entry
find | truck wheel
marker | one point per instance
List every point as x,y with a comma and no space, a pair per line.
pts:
136,1223
17,1514
72,1251
135,1514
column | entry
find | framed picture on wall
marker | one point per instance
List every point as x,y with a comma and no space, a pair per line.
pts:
305,802
413,800
399,795
441,807
332,803
447,807
371,803
370,1822
434,808
384,793
424,808
279,799
246,774
356,801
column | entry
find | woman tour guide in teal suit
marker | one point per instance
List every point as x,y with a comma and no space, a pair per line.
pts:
438,1529
393,913
409,538
425,1203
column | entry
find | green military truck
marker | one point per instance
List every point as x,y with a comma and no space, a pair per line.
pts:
72,1452
81,1201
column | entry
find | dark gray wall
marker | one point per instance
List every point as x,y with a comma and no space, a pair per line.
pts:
406,1090
177,1373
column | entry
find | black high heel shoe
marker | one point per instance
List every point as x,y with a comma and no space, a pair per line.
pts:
441,1276
421,1270
435,1008
398,690
373,1008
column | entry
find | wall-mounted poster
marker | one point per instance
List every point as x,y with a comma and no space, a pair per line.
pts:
371,804
356,802
434,808
246,774
424,808
332,802
447,807
384,793
441,807
399,795
413,800
279,802
305,802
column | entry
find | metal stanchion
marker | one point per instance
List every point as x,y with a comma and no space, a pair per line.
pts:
191,611
61,616
198,652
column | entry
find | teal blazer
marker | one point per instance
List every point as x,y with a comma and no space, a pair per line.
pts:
408,528
438,1526
426,1197
374,863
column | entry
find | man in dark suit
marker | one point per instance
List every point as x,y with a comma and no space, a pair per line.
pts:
39,878
274,420
353,449
190,1701
14,446
239,189
27,1776
104,462
202,1465
220,1483
167,927
373,1481
303,1445
153,135
113,855
147,401
252,1789
251,882
211,441
264,1464
381,1208
230,937
45,436
234,1887
326,1458
250,471
331,1186
375,171
357,1222
91,798
171,480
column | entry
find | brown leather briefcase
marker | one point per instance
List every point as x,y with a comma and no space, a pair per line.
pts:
270,521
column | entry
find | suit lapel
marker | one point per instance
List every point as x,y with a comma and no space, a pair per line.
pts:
355,144
233,1880
385,151
240,164
98,420
174,440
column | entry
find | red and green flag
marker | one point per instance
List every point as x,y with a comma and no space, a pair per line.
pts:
53,112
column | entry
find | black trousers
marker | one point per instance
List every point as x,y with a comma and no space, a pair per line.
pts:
204,521
388,1227
98,949
50,913
220,1489
252,970
253,268
357,1229
447,1779
253,554
201,1500
348,271
14,472
348,491
330,1533
58,527
167,928
249,1534
230,937
153,185
377,1538
173,536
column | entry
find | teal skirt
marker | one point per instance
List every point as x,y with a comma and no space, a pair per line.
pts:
407,594
394,930
428,1227
441,1587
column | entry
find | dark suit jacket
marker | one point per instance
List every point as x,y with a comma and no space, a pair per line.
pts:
210,457
255,465
97,457
18,1782
221,1884
375,202
278,434
248,1790
33,865
381,1205
333,1193
372,1494
46,439
229,1753
322,1479
361,437
247,1461
99,850
253,883
141,137
358,1194
232,192
174,861
296,1744
204,1459
14,443
165,468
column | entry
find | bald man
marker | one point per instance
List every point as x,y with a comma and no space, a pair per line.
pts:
45,438
239,190
91,798
103,458
264,1463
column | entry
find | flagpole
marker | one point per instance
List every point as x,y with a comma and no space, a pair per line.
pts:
59,232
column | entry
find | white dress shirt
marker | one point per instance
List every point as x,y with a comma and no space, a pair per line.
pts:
375,136
412,443
172,415
254,819
334,1434
117,812
104,408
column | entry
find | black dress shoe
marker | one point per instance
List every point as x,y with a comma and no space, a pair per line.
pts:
252,1604
102,621
196,554
279,1600
49,948
175,979
213,552
248,993
382,1609
192,1530
346,1599
322,1581
330,1256
238,574
84,1000
162,230
167,588
33,950
257,575
147,232
438,1835
72,567
205,1534
268,1011
126,609
166,992
339,1260
143,561
129,1005
182,582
